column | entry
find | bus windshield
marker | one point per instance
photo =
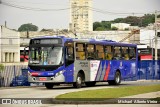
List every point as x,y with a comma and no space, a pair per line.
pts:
46,55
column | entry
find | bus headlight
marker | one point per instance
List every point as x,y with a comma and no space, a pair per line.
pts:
29,74
59,73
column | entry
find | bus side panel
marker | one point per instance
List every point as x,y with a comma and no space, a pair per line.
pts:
114,65
105,70
129,69
69,73
134,69
95,70
84,66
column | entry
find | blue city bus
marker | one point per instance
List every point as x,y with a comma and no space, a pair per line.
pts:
59,60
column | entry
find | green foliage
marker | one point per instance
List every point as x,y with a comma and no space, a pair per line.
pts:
118,20
1,67
147,19
96,25
133,20
106,25
43,30
102,26
126,29
28,27
100,29
114,28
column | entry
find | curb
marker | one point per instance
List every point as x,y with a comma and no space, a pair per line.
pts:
107,101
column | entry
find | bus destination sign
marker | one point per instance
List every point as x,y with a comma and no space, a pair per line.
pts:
46,41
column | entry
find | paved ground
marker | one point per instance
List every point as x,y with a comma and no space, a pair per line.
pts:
42,92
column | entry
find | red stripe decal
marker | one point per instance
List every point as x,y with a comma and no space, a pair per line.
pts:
34,73
107,72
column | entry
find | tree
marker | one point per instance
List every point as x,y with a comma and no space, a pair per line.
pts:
114,28
106,25
100,29
133,20
1,78
118,20
96,25
28,27
147,19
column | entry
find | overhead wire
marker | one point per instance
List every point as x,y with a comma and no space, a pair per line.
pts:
61,9
118,13
42,3
31,8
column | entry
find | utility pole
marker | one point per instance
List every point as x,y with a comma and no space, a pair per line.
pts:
156,35
156,64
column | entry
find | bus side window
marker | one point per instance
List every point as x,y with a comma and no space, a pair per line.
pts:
125,53
80,51
69,50
70,53
132,53
108,53
117,53
91,54
99,51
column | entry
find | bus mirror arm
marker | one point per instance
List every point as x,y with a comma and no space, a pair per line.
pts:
25,53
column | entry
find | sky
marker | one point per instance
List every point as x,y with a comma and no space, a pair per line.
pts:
55,19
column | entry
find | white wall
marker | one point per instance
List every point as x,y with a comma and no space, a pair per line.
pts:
0,46
120,26
10,45
147,37
105,35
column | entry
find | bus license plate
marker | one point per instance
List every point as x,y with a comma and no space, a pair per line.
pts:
42,78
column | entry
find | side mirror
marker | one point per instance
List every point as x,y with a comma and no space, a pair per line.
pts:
25,53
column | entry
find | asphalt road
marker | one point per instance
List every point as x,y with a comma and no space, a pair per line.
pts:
42,92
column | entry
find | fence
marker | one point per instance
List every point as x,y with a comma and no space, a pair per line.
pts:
9,73
149,70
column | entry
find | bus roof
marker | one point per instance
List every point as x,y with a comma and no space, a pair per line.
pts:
91,41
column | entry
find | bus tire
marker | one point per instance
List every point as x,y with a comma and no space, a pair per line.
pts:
49,85
90,84
79,80
117,79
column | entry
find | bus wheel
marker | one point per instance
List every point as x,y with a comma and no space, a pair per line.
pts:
79,80
90,84
117,79
49,85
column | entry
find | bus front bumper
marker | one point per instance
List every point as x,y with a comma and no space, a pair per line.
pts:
57,79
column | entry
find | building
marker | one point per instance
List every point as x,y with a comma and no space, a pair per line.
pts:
9,45
120,26
148,37
81,16
118,36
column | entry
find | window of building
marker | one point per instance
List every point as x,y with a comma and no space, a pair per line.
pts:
6,56
132,53
13,57
10,57
108,52
117,53
80,51
99,51
125,53
91,51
